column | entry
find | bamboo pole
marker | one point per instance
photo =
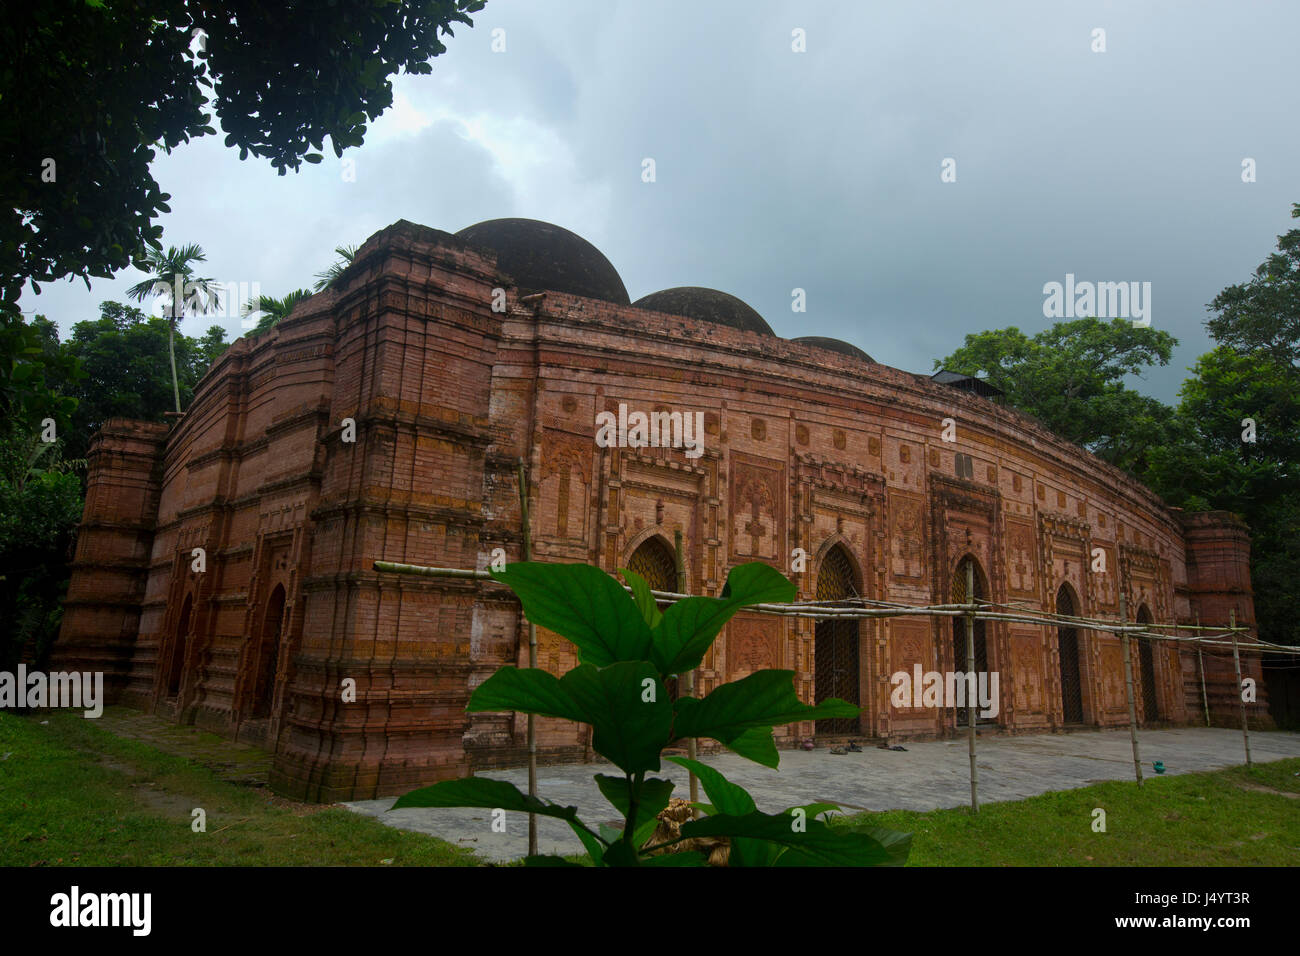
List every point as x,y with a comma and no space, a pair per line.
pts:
818,612
532,661
1128,687
689,681
1200,660
970,695
1236,661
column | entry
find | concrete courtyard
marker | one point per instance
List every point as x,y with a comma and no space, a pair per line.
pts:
928,776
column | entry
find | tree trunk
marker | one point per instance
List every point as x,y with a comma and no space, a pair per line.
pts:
171,353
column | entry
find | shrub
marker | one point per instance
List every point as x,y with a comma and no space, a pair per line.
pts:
627,649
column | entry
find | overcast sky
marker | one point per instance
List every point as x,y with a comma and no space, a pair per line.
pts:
820,170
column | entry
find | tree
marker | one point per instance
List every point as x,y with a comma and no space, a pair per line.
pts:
273,310
345,256
123,357
112,83
172,278
40,496
1071,377
1264,313
1237,443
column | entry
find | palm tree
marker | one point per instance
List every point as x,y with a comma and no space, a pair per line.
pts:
346,254
273,309
172,271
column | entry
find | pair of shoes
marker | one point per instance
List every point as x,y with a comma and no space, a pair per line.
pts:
897,747
854,748
838,750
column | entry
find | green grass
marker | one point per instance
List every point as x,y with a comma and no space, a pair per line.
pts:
1222,818
73,794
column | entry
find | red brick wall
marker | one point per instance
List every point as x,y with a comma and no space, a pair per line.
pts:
803,448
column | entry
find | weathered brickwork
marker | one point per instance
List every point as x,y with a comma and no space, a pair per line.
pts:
444,397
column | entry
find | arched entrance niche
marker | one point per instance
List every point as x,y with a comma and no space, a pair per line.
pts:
177,670
1147,665
268,653
836,655
655,561
959,596
1068,651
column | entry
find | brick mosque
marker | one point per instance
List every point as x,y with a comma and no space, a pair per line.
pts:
387,417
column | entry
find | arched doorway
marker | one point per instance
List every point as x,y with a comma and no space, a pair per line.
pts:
959,596
177,669
1147,664
1067,644
657,563
835,642
268,653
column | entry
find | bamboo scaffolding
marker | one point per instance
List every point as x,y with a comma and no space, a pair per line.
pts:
1220,636
972,611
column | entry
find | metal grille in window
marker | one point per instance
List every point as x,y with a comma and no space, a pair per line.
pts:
835,649
1067,639
959,637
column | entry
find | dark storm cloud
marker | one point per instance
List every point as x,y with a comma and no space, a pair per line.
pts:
817,170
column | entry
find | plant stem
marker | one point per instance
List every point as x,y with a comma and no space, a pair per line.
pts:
633,804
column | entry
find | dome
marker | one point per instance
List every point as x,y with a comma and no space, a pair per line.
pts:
541,256
834,345
708,305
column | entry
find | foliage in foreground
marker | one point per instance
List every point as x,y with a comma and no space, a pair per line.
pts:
627,650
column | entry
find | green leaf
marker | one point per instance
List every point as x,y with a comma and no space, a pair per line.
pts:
762,700
584,605
655,794
756,744
733,800
757,583
816,845
645,601
595,848
482,792
528,690
690,626
727,797
626,729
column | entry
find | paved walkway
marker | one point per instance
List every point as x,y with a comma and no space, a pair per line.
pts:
928,776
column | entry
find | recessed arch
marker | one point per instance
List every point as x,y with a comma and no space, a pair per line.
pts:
1069,657
176,672
655,560
836,651
268,653
1147,667
957,595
